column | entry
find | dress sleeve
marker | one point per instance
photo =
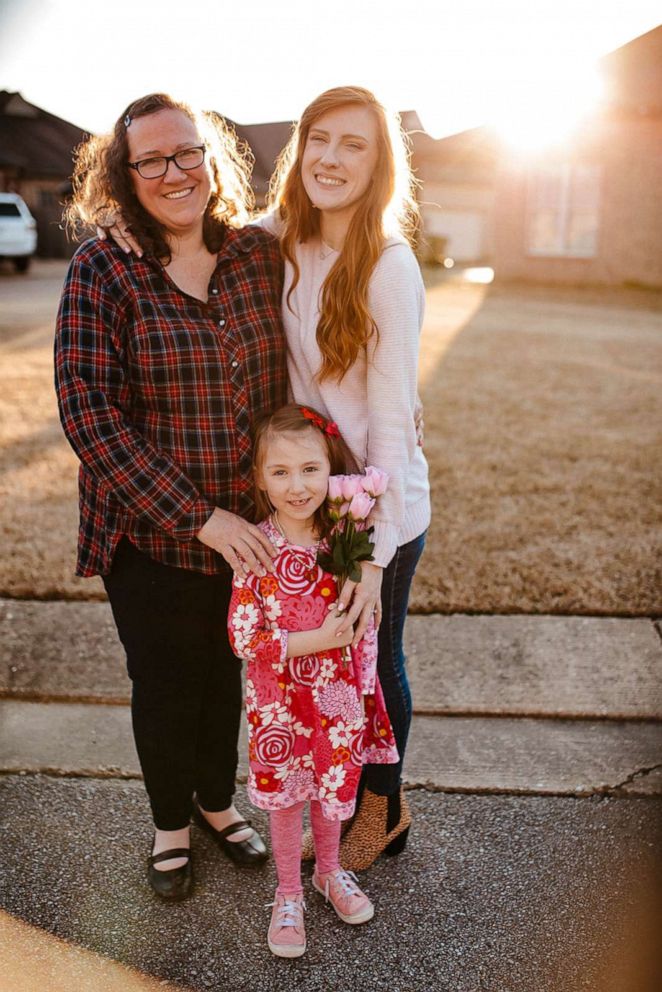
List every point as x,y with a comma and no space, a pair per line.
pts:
253,636
364,658
397,300
94,400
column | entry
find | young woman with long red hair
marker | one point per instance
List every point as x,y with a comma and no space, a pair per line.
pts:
343,207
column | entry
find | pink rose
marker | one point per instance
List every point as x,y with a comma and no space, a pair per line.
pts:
297,577
360,506
351,485
375,481
305,669
335,488
356,746
273,744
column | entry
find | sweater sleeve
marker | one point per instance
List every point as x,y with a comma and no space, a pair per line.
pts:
94,400
397,301
252,636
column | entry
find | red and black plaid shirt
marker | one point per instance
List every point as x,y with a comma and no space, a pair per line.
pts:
158,391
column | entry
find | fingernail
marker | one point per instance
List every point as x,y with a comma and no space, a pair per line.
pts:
139,254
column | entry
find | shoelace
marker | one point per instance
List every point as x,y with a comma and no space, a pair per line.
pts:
290,914
344,880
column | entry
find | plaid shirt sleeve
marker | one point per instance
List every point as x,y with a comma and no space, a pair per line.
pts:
94,401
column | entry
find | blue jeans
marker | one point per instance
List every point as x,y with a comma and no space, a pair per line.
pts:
384,780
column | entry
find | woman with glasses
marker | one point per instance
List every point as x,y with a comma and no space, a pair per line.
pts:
162,361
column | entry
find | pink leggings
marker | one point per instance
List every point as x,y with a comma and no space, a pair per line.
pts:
286,826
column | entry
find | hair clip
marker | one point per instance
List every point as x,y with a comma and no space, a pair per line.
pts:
127,120
328,427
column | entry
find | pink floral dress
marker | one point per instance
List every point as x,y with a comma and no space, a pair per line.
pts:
313,721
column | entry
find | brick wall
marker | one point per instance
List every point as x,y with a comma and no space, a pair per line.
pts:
628,155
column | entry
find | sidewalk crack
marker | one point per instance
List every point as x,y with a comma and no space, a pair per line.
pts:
639,773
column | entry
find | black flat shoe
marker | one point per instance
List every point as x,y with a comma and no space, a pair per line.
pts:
176,883
243,852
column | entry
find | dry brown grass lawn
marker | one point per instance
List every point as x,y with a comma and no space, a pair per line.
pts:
543,412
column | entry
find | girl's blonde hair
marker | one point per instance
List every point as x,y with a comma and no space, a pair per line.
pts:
296,419
388,208
103,186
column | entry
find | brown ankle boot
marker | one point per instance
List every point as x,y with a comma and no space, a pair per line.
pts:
308,841
380,826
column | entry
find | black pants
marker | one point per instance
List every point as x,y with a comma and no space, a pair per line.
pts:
186,699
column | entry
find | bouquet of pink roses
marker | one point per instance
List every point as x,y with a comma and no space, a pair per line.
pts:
350,500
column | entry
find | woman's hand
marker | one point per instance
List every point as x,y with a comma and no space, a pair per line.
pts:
245,548
117,230
362,600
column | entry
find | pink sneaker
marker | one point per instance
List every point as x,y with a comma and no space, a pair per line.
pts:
287,936
340,889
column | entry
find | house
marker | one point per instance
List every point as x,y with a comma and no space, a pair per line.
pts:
456,196
591,212
36,161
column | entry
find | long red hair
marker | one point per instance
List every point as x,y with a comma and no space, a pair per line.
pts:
387,208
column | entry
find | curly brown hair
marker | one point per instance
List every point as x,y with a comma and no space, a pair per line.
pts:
102,185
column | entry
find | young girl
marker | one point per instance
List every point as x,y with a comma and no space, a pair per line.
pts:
311,725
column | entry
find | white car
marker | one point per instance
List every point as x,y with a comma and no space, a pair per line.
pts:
18,231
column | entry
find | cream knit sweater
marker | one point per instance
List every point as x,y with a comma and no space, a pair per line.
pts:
374,404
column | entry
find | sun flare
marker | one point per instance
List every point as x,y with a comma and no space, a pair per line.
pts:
548,112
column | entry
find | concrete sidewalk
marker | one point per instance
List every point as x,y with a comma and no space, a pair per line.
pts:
517,704
534,774
514,665
490,755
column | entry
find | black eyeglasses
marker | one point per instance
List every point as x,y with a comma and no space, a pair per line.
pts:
154,168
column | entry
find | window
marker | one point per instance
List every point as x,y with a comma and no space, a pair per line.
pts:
563,211
9,210
49,198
